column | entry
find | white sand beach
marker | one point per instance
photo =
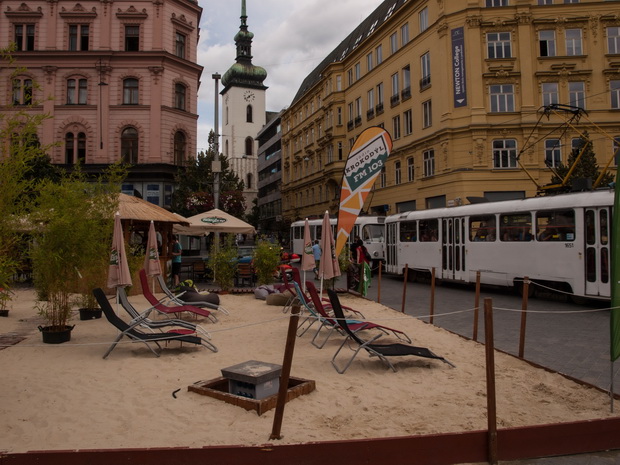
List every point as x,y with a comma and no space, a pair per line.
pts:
59,397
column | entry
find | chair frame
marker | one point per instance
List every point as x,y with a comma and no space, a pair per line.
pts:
177,298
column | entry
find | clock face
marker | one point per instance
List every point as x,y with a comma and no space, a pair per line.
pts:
248,96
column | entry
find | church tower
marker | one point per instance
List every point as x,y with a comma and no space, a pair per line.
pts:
243,111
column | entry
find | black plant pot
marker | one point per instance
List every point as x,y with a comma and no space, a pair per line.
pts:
4,312
90,313
56,334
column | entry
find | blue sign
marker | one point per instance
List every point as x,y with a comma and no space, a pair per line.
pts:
458,67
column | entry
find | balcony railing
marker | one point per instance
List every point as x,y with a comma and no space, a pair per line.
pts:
358,121
350,125
370,114
425,82
406,93
394,100
379,109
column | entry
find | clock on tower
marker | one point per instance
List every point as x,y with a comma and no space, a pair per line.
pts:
248,96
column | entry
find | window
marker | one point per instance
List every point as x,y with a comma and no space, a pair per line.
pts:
249,146
577,94
505,153
396,127
350,77
395,99
340,151
249,181
24,37
338,83
129,145
428,230
358,110
132,38
394,43
428,157
370,101
427,114
180,144
425,70
249,114
408,122
492,3
179,45
351,114
382,178
397,173
573,42
515,227
553,153
502,98
614,87
571,1
130,91
339,116
408,231
77,91
550,93
75,148
404,34
406,82
499,45
179,96
22,91
78,37
369,62
410,169
555,225
379,54
358,71
613,40
546,42
545,2
423,19
379,98
482,228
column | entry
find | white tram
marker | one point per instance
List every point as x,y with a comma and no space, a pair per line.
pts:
368,228
561,241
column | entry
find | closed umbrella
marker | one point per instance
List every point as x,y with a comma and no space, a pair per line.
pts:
307,257
151,257
118,271
328,267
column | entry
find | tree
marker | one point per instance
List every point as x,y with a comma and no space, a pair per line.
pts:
195,185
587,166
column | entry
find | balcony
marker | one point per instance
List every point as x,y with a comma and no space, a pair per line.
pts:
406,93
379,109
394,100
350,126
370,114
425,82
358,121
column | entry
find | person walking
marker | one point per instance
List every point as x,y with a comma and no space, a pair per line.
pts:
177,251
316,252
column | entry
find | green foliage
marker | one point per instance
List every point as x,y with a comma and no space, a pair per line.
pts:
586,167
223,262
266,258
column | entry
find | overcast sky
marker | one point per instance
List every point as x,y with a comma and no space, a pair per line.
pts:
291,37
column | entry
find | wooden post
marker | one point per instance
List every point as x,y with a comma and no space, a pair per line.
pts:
286,372
432,309
402,308
524,303
476,307
379,283
490,363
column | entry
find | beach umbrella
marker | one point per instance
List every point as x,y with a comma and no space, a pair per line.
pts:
151,257
307,257
118,271
328,266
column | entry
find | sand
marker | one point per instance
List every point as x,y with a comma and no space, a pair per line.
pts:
58,397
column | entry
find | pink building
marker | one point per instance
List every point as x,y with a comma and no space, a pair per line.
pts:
119,80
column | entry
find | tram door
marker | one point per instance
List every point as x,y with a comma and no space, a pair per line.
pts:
597,248
391,254
453,248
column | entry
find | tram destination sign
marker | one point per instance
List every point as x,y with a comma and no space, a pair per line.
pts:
458,67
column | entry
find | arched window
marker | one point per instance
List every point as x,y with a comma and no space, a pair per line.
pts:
248,114
248,183
179,96
129,145
179,148
226,149
130,91
75,148
249,146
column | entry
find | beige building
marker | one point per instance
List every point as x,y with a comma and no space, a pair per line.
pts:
459,85
119,81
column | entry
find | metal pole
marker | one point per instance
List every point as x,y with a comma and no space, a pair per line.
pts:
476,307
490,369
432,309
402,309
524,301
216,167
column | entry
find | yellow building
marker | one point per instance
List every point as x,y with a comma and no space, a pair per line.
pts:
459,85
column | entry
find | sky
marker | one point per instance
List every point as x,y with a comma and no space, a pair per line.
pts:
291,37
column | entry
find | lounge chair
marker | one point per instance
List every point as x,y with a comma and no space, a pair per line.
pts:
131,331
159,324
179,301
355,325
383,351
170,309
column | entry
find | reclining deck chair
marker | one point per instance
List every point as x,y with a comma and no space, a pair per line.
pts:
354,325
131,332
159,324
168,309
179,301
383,351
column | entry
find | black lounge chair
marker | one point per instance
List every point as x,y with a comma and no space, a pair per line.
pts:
133,333
383,351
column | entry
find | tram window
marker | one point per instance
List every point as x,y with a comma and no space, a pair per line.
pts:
372,233
482,228
590,227
408,231
556,225
515,227
604,230
428,230
297,232
605,265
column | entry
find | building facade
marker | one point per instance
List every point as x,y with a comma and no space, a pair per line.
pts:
459,85
243,111
270,175
118,81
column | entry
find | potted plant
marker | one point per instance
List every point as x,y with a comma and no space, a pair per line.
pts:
223,262
266,258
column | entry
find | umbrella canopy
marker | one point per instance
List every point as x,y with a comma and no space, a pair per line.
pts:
214,221
135,208
307,257
328,267
118,271
151,258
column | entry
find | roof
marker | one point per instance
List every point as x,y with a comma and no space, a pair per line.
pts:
351,42
134,208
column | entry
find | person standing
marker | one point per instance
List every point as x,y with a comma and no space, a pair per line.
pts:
316,253
177,251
